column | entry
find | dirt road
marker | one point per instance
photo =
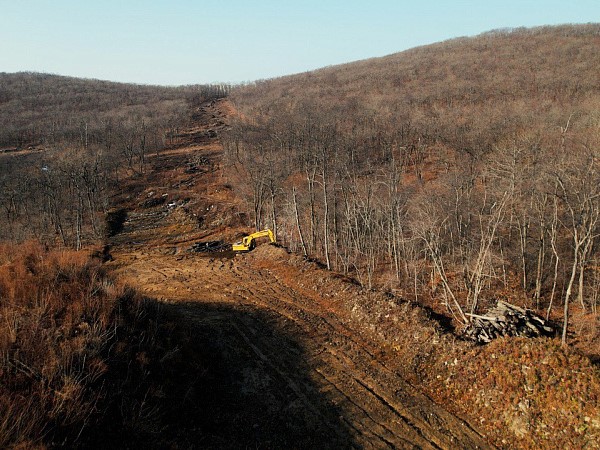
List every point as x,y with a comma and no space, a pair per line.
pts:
302,372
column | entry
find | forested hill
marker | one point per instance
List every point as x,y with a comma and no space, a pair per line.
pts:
456,173
38,108
468,92
64,140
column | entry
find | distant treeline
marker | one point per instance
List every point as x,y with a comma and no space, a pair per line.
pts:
83,135
48,109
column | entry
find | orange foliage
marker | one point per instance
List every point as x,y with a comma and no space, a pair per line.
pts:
544,395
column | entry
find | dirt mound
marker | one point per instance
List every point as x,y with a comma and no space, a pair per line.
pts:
269,252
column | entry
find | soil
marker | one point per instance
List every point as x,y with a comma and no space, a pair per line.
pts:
296,368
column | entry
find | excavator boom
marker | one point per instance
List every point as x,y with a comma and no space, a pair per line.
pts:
249,242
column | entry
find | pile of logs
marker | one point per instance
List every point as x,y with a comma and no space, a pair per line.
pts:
506,320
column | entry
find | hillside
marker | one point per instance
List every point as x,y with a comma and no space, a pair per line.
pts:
467,93
65,143
302,356
39,109
408,194
455,174
289,367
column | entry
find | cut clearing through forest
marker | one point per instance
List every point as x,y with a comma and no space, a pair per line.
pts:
306,358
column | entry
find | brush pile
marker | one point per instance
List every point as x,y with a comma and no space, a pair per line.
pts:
506,320
210,247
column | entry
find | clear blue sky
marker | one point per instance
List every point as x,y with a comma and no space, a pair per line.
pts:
185,42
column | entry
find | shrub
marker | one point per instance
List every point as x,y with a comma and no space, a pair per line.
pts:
56,309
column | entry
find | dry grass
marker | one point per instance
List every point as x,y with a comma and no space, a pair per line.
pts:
87,363
526,393
56,309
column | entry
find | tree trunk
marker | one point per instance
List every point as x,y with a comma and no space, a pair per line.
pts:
570,289
325,218
298,222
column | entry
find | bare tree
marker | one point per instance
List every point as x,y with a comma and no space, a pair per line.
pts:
579,192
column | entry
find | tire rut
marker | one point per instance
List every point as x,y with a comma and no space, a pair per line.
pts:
422,424
381,409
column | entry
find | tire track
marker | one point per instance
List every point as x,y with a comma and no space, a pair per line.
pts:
307,317
378,405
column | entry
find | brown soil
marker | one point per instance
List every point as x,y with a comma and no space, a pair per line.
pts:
315,372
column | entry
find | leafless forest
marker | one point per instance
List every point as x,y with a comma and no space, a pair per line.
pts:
457,173
71,332
75,140
431,183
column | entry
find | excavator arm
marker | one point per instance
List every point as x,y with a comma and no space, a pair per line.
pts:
249,242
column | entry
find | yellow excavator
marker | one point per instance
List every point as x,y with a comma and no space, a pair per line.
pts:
249,242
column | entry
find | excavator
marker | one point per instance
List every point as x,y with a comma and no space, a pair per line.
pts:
249,242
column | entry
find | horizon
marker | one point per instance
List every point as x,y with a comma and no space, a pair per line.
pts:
197,43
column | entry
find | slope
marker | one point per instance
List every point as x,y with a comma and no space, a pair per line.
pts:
455,174
467,93
318,376
306,357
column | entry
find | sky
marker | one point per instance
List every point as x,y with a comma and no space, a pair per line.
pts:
174,42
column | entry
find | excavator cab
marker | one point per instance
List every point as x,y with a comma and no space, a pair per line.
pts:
249,242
